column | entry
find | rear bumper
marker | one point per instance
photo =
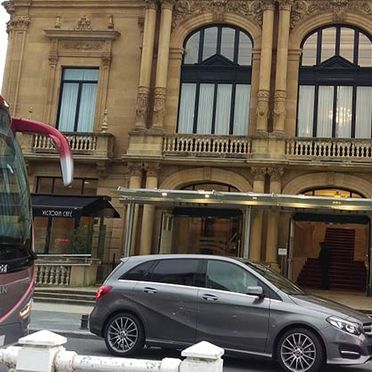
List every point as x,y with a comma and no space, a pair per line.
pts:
10,333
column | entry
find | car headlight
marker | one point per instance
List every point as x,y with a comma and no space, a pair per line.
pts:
344,325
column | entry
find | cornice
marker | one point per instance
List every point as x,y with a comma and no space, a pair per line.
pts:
302,9
82,34
79,4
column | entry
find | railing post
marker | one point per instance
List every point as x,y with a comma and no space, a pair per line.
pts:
204,357
38,351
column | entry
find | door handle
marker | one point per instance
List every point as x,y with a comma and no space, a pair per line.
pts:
150,290
209,297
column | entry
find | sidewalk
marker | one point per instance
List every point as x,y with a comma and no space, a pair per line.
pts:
66,319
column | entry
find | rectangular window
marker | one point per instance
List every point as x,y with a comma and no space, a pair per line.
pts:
78,100
54,185
306,111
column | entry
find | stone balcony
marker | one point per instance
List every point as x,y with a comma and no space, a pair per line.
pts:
270,148
86,147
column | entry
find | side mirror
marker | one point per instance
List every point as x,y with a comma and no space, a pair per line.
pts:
255,291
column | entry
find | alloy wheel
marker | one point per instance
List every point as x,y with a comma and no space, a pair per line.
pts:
298,352
122,334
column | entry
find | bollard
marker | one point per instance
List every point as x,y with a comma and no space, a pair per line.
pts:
84,321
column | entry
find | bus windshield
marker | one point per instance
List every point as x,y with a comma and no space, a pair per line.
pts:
15,206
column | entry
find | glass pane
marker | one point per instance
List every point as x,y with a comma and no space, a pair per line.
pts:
228,43
45,185
87,108
90,187
192,49
205,110
229,277
309,50
75,188
305,111
325,112
347,43
210,42
80,74
245,50
187,108
241,117
328,43
223,109
60,235
80,238
40,233
344,112
363,115
67,114
365,51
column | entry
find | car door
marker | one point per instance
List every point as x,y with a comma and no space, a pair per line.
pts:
227,316
168,301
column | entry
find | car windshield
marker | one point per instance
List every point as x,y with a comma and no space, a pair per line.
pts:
278,280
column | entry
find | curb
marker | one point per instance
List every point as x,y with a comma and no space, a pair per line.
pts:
72,334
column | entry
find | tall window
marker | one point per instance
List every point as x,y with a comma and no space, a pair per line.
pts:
78,100
336,84
215,82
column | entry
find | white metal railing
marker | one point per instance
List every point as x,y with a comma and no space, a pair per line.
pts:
43,351
50,274
206,145
329,149
83,142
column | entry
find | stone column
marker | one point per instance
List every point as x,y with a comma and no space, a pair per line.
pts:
143,94
280,95
273,220
257,215
149,210
263,94
17,28
162,64
135,182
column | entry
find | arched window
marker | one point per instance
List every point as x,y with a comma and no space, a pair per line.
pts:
215,82
335,84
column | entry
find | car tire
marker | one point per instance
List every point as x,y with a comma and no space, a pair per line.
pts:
124,335
300,350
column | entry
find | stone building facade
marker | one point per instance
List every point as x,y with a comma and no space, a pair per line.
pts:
269,96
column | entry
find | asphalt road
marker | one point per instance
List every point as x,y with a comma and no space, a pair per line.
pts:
97,347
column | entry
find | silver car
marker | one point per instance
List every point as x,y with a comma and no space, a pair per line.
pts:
173,301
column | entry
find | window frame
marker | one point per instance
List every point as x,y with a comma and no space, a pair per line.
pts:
335,72
80,88
224,71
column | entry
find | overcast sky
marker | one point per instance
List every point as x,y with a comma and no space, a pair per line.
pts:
3,41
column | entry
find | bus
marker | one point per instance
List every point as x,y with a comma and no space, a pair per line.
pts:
17,256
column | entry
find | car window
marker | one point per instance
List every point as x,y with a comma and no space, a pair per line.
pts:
184,272
229,277
141,272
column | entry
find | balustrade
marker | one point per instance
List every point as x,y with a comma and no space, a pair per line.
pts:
329,149
53,275
206,145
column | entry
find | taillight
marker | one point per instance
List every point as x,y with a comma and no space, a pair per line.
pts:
101,291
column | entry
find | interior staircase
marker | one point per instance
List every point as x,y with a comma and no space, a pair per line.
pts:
344,272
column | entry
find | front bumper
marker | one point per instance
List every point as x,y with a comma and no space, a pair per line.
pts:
346,349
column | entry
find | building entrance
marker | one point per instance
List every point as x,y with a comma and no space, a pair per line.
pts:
344,266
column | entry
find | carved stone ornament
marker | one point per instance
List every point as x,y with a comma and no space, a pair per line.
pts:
82,44
152,169
280,97
142,106
83,24
135,169
302,9
262,111
159,106
275,174
18,23
258,173
285,4
252,9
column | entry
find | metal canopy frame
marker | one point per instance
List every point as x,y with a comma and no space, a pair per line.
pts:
246,201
